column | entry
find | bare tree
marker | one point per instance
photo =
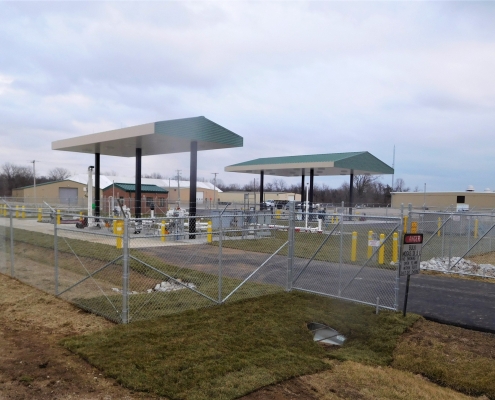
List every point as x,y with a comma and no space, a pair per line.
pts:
400,186
363,183
58,174
154,175
14,176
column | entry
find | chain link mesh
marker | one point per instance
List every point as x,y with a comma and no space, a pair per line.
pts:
350,257
455,242
176,262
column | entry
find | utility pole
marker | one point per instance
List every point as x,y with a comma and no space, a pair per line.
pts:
214,187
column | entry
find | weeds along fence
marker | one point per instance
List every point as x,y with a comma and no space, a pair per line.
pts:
135,269
454,236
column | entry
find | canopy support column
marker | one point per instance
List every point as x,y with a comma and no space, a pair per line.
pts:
262,185
303,189
311,182
137,204
97,185
193,179
351,188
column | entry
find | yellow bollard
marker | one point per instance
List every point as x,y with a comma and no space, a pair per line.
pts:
17,211
414,227
23,213
278,213
163,231
354,246
370,248
58,217
406,218
395,247
209,235
439,224
119,230
475,228
381,252
40,214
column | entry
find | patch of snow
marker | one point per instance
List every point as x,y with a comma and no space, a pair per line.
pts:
463,266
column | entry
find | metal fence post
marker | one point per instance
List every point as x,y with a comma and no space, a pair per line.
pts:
491,221
125,274
469,232
220,289
409,219
55,253
450,238
290,253
12,272
399,251
341,222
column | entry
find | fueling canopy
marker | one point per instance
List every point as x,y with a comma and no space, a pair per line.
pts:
161,137
357,163
354,163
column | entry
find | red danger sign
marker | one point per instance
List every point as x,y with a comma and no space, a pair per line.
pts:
413,238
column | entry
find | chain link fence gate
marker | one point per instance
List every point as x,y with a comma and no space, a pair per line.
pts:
351,257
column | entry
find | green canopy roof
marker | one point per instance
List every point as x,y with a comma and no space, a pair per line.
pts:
357,163
131,188
162,137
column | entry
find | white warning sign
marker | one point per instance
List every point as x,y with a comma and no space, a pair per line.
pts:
411,254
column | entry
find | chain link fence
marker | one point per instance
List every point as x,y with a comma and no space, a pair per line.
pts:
452,239
134,269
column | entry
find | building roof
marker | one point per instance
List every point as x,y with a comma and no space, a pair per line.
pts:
128,187
107,180
162,137
358,163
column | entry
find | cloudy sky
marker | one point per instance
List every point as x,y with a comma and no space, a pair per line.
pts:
291,78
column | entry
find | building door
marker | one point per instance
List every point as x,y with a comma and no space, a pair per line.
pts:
68,196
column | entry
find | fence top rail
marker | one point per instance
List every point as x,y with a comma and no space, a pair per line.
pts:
454,213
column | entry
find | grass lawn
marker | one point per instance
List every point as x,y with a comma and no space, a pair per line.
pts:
228,351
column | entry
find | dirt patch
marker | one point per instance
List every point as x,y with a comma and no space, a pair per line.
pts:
32,363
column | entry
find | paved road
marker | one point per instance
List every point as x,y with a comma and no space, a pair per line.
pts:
461,302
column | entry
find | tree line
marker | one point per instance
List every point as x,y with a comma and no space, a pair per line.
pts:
367,189
15,176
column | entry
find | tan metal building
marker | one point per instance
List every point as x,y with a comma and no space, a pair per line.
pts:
72,191
68,191
467,200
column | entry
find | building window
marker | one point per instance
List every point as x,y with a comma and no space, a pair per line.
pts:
161,202
461,199
149,200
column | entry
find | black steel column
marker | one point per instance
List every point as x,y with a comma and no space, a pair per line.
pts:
303,193
97,184
262,184
351,188
311,182
193,179
137,204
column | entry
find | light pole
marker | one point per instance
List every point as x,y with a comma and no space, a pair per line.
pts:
178,185
34,179
214,187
